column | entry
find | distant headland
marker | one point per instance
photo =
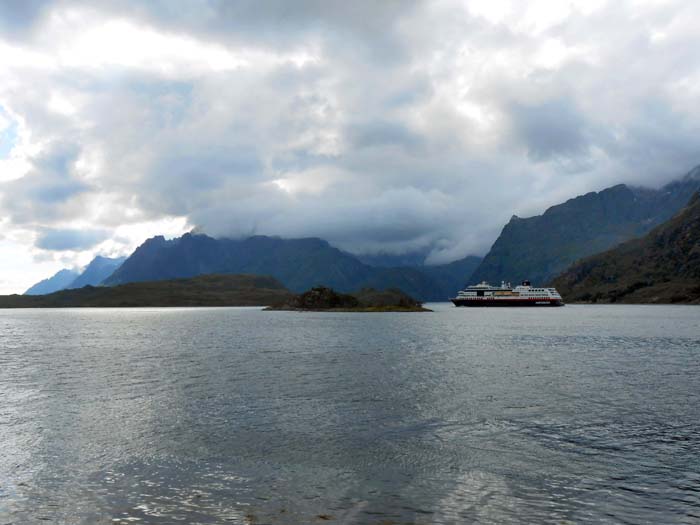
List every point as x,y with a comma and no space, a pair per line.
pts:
218,290
204,290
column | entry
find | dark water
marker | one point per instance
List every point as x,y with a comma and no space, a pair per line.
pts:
571,415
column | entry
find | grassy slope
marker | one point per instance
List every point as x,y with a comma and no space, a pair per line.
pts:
540,248
661,267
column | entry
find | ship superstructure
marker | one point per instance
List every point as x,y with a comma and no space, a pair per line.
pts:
524,294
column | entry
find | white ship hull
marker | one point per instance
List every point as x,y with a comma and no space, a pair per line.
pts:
507,302
484,294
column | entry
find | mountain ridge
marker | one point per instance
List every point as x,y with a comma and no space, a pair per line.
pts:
536,248
540,247
661,267
92,275
298,263
97,271
56,282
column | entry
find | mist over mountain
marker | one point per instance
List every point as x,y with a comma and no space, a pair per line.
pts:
298,263
385,128
539,248
93,274
56,282
97,271
453,276
536,248
294,261
390,260
661,267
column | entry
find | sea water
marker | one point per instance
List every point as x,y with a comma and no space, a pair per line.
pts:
581,414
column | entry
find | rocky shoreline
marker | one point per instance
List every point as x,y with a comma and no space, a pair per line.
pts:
323,299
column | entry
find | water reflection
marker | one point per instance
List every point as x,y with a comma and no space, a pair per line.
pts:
242,416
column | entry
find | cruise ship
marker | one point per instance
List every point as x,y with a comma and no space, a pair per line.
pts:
525,294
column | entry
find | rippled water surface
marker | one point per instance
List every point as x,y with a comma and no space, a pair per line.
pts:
582,414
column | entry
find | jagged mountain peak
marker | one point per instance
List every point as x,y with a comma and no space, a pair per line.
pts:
97,271
298,263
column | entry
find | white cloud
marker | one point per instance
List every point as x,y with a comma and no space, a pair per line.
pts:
19,269
381,127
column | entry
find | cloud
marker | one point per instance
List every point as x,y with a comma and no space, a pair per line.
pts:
18,16
74,240
382,127
49,191
377,133
551,129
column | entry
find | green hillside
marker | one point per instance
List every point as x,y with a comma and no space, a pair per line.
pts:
541,247
661,267
205,290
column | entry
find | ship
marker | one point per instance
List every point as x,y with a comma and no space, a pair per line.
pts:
525,294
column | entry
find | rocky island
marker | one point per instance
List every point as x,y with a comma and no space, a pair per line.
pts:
323,299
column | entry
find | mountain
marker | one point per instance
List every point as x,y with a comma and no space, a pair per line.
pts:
538,248
94,273
54,283
451,277
207,290
661,267
389,260
97,271
445,279
298,263
295,262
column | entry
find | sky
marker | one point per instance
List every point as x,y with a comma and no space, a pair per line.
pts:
382,127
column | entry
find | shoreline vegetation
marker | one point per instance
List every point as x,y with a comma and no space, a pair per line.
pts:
219,290
222,290
323,299
204,291
663,267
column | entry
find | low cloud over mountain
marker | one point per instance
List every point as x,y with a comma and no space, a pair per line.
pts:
390,127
